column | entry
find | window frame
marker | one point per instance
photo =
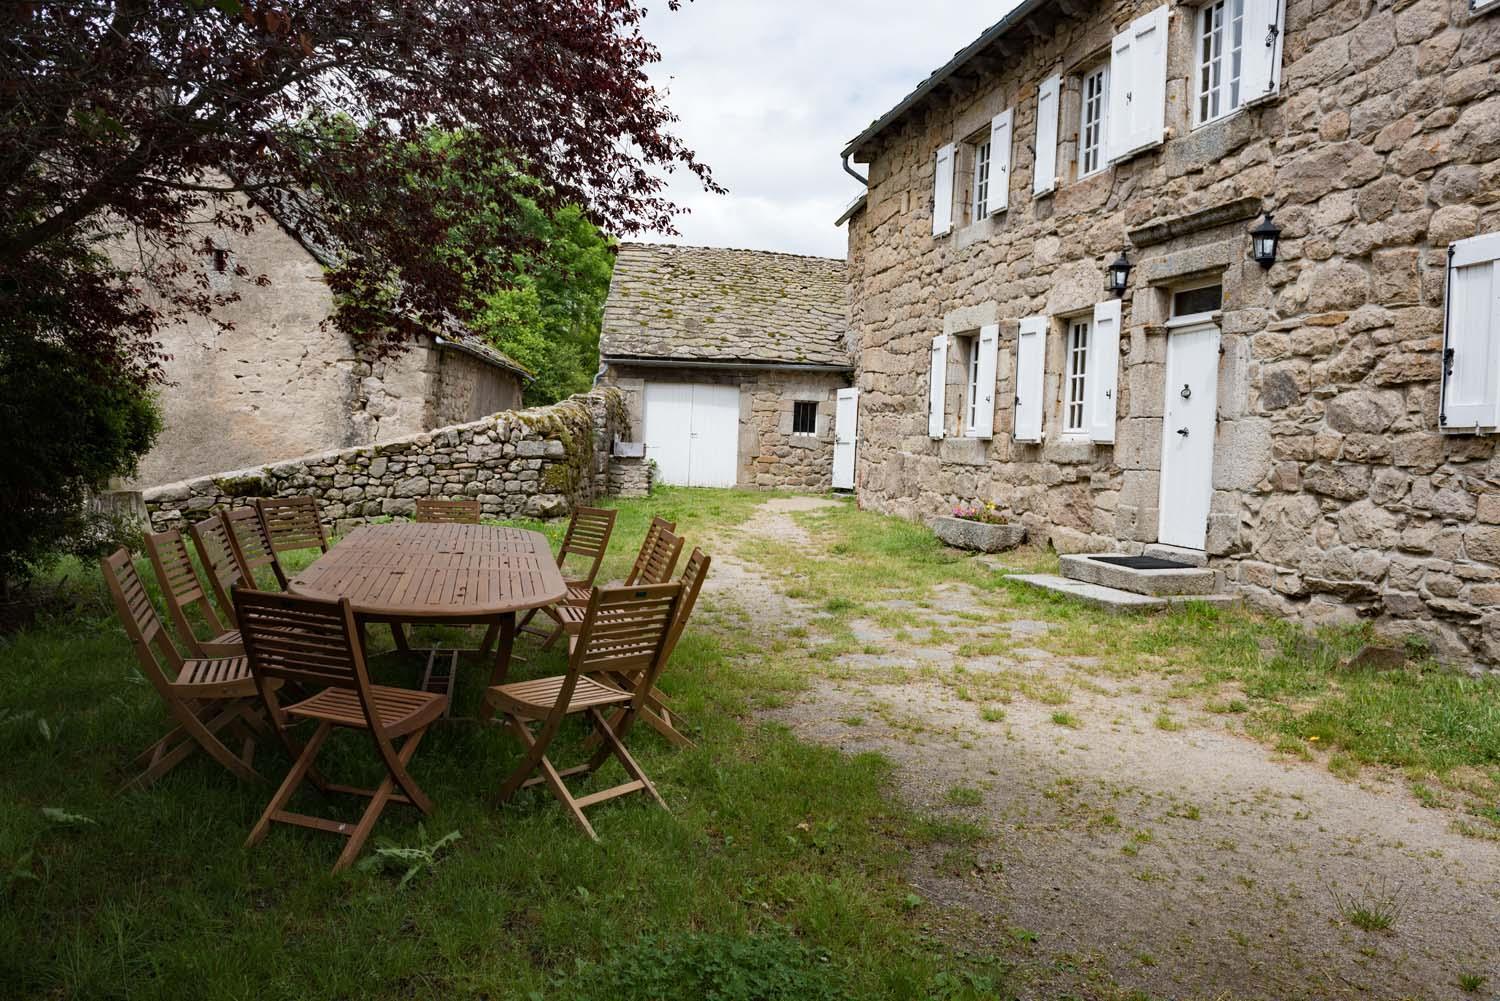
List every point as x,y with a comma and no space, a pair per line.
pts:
1076,372
969,421
1227,87
1100,148
800,406
980,148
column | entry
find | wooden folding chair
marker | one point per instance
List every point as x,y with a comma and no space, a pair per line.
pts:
447,512
215,552
654,565
292,523
183,592
655,711
314,643
626,629
250,544
586,542
204,696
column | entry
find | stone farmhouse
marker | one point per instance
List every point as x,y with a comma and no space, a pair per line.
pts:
282,382
731,362
1316,425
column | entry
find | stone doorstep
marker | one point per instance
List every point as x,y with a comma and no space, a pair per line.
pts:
1112,599
1152,583
1162,551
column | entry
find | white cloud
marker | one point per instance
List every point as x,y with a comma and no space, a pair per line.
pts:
770,91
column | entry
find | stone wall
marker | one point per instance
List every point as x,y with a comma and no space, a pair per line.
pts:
630,476
770,455
1335,496
529,463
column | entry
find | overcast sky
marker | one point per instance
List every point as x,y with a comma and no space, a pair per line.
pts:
770,91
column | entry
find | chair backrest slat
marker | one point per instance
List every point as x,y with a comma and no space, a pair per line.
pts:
138,616
310,641
625,628
662,559
587,538
181,588
432,511
648,544
252,548
211,539
692,579
292,523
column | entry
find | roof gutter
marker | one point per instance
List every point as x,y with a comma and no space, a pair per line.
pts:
777,366
1003,27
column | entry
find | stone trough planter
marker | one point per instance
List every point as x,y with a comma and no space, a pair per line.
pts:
978,536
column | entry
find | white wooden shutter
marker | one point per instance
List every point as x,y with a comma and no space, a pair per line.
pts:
942,192
1000,162
988,346
1138,85
1471,336
1103,372
1044,178
1265,27
937,386
1031,370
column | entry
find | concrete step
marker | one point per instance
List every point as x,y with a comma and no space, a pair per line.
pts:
1112,599
1090,569
1192,557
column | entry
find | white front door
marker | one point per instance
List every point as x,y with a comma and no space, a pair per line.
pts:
1187,448
845,425
692,433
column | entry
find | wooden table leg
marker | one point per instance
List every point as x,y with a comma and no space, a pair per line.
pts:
502,659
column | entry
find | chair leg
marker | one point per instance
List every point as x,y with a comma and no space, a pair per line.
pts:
382,795
614,746
289,784
536,760
193,733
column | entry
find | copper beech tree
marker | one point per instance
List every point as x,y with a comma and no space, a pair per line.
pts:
141,118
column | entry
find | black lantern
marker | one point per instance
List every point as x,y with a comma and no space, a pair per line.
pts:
1264,238
1119,274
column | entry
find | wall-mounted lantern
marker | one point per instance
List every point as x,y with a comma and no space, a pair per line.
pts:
1265,238
1119,275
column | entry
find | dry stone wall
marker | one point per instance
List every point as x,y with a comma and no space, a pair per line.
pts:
1335,495
537,463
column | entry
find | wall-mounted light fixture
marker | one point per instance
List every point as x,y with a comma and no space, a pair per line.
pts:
1119,275
1265,239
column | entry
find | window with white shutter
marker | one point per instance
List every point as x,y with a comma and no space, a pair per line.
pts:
1000,162
942,192
1471,336
1138,85
1094,91
1031,370
1104,371
1265,31
981,410
1044,178
937,386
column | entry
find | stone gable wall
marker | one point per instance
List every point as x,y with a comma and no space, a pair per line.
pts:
537,463
1335,496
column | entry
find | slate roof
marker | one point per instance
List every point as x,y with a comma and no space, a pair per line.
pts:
715,304
299,217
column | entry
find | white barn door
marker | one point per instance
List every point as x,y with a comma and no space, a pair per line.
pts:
692,433
845,437
1187,448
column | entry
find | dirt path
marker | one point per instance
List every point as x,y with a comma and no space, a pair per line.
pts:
1125,854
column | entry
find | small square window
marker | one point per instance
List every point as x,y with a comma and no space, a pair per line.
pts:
221,260
805,417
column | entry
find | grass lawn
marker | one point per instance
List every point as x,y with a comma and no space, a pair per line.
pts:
778,873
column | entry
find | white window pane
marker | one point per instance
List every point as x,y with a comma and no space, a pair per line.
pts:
1077,373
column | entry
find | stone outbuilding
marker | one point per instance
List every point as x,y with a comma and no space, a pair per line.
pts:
282,382
1317,425
730,361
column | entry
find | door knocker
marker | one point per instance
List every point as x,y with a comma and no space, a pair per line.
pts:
1187,391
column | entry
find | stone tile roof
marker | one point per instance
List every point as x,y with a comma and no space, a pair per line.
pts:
714,304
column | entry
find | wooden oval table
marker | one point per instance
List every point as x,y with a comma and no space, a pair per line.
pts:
440,574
